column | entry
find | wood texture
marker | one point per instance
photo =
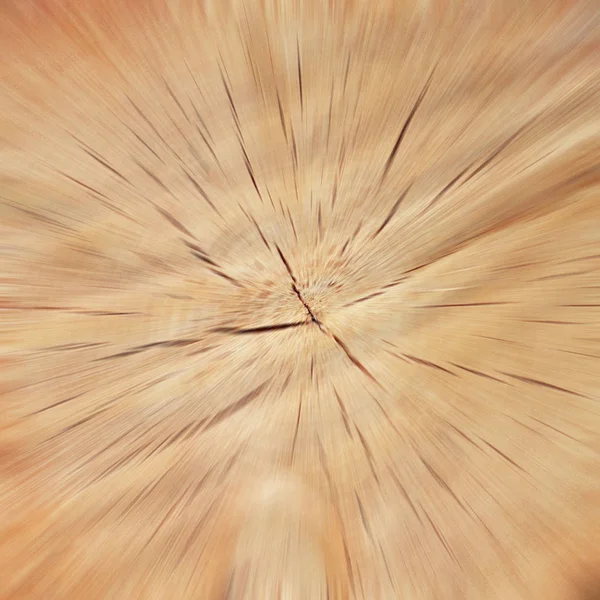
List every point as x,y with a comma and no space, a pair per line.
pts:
299,299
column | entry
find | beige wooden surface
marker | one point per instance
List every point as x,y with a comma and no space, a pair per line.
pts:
299,299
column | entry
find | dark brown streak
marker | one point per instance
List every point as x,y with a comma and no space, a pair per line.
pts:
59,403
188,143
467,242
464,435
320,222
231,103
248,55
329,115
198,527
580,305
580,353
267,328
195,248
178,225
145,493
210,148
270,197
281,117
386,414
44,218
353,359
201,350
464,304
244,401
363,517
310,313
142,141
79,423
543,383
286,383
239,133
87,187
427,363
296,430
444,191
178,436
346,71
198,425
392,212
349,566
202,193
201,255
176,100
106,165
344,247
387,566
341,160
202,96
223,329
555,429
479,520
18,307
497,339
442,538
395,283
152,176
227,277
204,259
119,464
504,456
582,258
292,224
548,322
441,482
498,150
287,265
404,493
335,192
364,298
150,124
75,346
561,275
404,129
344,413
249,168
264,239
119,439
120,354
105,313
176,343
535,162
300,77
323,460
294,152
368,453
478,373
